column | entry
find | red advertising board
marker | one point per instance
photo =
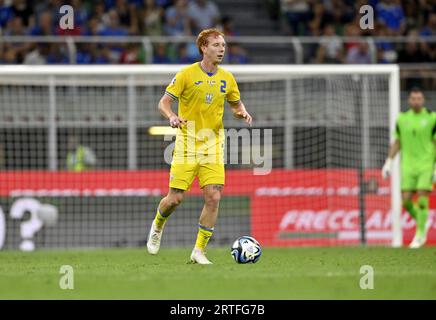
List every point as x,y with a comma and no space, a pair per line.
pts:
288,207
322,220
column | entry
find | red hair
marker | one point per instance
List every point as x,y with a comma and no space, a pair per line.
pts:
203,37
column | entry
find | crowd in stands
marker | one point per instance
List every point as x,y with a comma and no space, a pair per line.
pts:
332,18
110,18
335,18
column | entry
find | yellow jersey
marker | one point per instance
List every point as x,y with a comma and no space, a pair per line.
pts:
201,96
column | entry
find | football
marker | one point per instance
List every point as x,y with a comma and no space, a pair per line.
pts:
246,249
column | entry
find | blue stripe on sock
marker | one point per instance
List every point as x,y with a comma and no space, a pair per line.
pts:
162,214
205,228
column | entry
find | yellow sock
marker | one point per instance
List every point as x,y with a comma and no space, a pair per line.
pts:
203,236
159,219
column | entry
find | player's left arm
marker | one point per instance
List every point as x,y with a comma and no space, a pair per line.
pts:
239,111
234,99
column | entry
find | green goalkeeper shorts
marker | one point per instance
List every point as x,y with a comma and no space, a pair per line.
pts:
417,180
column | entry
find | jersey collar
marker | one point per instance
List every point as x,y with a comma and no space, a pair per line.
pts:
208,73
423,110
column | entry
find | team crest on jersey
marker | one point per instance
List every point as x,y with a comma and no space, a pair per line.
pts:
209,97
211,82
198,82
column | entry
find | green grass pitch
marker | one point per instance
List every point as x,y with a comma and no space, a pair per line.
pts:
281,273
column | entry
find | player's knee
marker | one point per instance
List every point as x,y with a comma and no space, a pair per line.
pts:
423,202
175,199
212,199
407,203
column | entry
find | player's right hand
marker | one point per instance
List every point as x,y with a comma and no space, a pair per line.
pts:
176,122
387,168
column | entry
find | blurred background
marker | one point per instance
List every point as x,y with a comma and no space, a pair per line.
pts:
329,132
258,31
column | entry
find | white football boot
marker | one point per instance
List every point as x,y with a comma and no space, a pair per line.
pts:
199,256
418,242
154,237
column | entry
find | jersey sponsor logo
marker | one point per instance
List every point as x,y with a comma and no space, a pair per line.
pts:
198,82
209,97
211,82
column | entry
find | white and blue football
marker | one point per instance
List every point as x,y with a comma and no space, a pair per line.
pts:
246,249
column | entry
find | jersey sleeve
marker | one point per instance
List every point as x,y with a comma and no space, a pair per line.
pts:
233,95
176,86
397,132
433,132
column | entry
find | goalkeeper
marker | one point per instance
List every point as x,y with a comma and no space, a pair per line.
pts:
415,135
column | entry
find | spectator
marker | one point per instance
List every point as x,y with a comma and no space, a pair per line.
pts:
24,10
204,14
228,27
98,13
430,28
161,56
298,14
84,53
16,28
391,14
112,27
165,4
6,14
44,26
152,16
9,57
79,157
331,49
93,27
382,57
57,55
102,55
338,13
131,54
183,56
51,5
237,54
177,19
359,54
410,9
127,15
386,52
38,55
319,16
412,53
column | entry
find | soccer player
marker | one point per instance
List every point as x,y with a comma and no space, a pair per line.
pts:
415,136
201,90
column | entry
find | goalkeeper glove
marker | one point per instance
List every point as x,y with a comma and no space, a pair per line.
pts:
387,168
